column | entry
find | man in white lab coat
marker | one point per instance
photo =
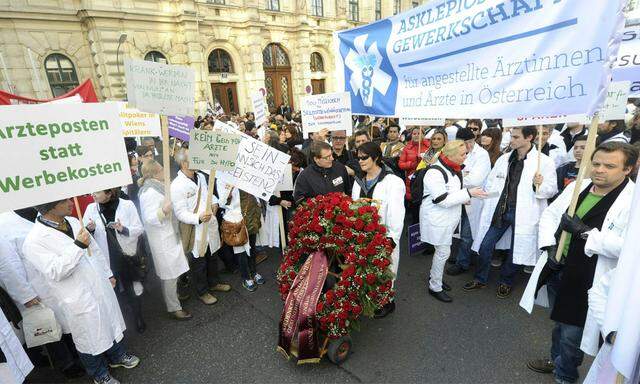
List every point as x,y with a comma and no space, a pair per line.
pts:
81,284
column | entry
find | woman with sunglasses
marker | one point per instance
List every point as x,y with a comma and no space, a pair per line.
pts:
386,191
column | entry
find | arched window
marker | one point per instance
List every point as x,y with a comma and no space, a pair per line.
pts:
156,56
220,61
61,74
274,56
317,64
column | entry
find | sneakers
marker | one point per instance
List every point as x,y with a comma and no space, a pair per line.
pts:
250,285
181,315
504,291
221,287
455,270
541,365
128,361
106,380
208,299
473,285
528,269
259,279
496,261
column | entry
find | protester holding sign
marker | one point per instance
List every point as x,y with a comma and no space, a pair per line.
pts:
82,285
162,232
518,193
386,191
592,249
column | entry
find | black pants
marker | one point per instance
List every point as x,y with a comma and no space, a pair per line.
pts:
228,259
129,302
204,271
248,263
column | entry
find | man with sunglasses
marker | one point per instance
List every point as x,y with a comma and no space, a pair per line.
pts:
322,176
475,126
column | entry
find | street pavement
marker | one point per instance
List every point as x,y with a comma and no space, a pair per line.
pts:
476,339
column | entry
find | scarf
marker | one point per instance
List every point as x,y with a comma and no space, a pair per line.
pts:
455,167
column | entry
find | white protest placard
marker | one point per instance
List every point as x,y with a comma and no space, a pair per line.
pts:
542,120
482,59
56,151
160,88
259,108
286,184
615,105
259,167
408,121
627,67
136,123
328,110
213,150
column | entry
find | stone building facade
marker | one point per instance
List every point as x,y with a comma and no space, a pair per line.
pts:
235,46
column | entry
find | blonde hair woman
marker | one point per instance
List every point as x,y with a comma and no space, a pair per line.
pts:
441,209
162,233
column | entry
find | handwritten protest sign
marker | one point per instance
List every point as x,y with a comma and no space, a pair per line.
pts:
180,126
160,88
615,105
328,110
259,167
56,151
213,150
286,184
259,108
136,123
482,59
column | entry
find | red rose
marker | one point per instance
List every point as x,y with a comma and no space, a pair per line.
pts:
371,278
319,306
336,230
348,271
329,296
358,280
358,225
356,310
360,239
343,315
340,293
370,227
362,210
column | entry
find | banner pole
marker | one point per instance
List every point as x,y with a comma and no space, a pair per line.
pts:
77,205
165,156
419,140
585,166
539,154
205,227
283,237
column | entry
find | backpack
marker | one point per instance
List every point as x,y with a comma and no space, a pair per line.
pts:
416,184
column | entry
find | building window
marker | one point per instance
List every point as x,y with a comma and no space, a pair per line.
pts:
317,64
397,8
415,3
353,10
378,9
220,62
273,5
156,57
61,74
275,56
317,8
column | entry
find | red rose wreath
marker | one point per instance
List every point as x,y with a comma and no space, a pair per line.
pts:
350,234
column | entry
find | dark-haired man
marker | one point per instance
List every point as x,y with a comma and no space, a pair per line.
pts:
596,232
612,130
509,218
322,176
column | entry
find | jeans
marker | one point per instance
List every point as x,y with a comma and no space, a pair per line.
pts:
463,258
97,366
246,262
565,351
487,247
130,303
204,271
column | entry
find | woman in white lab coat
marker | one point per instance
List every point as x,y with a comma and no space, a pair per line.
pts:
116,226
162,232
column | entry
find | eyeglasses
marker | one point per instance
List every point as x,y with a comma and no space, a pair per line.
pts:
328,157
474,129
336,138
363,158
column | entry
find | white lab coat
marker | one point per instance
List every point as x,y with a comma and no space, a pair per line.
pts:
233,210
128,216
183,197
80,285
388,195
439,220
269,235
529,205
559,155
18,365
13,276
606,243
166,247
476,169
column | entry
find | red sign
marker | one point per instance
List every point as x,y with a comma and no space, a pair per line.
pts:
84,90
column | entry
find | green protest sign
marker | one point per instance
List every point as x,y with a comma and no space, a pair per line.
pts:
213,150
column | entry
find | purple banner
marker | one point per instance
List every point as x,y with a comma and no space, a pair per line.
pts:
415,245
180,126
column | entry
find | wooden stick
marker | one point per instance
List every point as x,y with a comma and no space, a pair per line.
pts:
165,156
283,237
539,154
419,140
205,227
619,378
585,166
77,205
173,147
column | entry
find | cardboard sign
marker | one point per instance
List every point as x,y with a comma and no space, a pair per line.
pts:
160,88
286,184
328,110
615,105
415,244
259,108
482,59
259,167
56,151
213,150
136,123
180,126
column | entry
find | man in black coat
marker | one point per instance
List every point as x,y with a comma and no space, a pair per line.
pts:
322,176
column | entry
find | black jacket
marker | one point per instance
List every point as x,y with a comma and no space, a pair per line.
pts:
314,181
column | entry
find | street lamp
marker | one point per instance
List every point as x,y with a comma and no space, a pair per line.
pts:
121,39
